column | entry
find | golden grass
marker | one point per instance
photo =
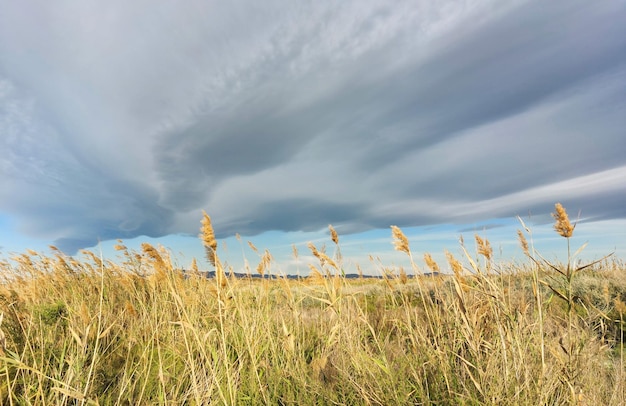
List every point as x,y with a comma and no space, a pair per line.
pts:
139,331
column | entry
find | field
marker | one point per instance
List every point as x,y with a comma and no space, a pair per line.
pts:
94,331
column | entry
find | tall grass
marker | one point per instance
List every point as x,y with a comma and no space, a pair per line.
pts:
139,331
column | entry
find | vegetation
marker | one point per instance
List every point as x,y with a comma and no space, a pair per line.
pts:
141,332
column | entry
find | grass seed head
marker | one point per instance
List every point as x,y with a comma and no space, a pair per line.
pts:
316,253
455,264
208,238
325,259
522,242
264,263
562,224
484,247
404,278
194,266
255,249
220,276
400,242
294,249
333,234
430,262
153,254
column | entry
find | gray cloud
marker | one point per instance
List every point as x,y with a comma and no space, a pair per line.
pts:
128,119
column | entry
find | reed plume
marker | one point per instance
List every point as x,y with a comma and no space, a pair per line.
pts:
523,242
400,242
430,262
194,266
455,264
255,249
315,252
153,254
562,224
208,238
264,263
404,278
333,235
294,250
158,263
322,257
338,257
484,247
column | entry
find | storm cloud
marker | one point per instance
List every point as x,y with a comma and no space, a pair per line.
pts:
123,119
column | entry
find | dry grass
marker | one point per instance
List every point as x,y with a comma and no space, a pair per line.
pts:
92,331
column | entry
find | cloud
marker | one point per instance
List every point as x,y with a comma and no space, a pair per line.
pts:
121,119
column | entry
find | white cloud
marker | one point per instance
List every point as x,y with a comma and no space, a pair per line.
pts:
122,119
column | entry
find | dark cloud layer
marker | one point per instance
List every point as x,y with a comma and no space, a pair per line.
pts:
119,120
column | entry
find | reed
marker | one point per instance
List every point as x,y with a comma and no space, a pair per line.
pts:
139,331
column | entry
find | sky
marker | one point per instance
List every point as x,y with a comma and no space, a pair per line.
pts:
125,120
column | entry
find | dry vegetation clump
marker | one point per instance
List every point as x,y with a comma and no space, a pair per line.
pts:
139,331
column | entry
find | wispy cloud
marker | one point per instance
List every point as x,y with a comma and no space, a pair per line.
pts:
123,119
